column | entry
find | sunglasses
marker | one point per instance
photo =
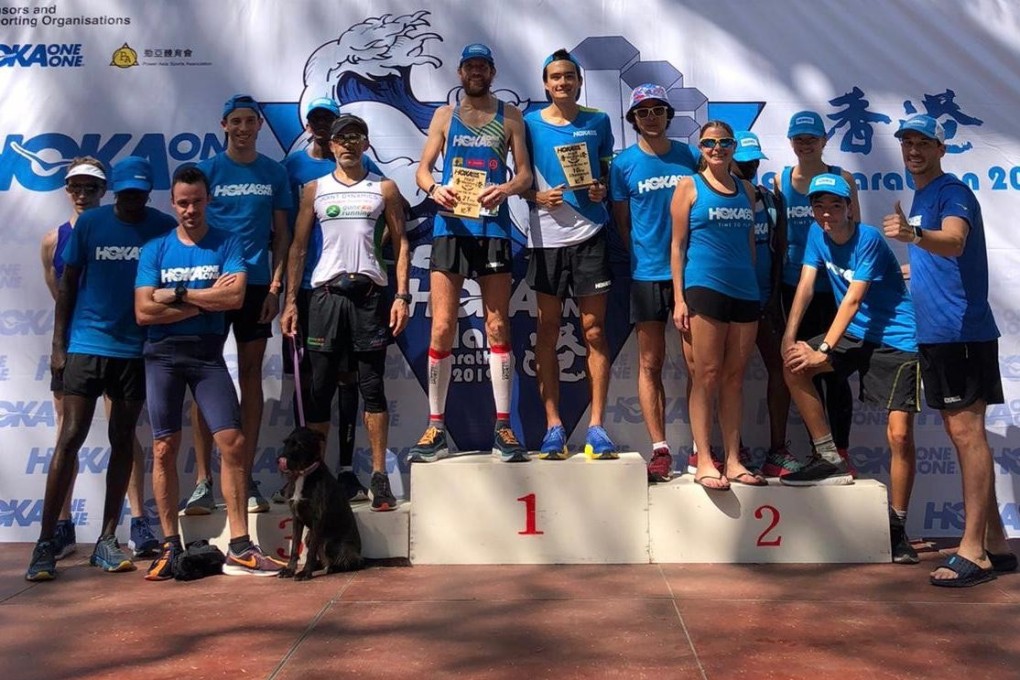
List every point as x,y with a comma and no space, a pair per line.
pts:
349,138
650,111
87,189
724,143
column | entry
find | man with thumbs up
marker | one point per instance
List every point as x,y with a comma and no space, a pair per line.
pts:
957,338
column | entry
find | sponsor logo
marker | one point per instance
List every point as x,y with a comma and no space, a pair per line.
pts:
124,57
117,253
26,322
205,272
730,214
586,133
1008,461
333,211
91,460
26,512
245,189
1008,366
43,55
475,141
845,274
5,371
950,516
10,276
27,414
657,183
795,212
628,410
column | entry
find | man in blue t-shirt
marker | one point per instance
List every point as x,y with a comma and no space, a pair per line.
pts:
641,182
873,334
187,281
957,338
97,349
568,253
251,197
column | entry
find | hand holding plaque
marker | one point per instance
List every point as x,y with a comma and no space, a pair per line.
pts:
469,185
576,164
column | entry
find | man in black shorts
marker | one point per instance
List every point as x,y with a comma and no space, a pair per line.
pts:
957,338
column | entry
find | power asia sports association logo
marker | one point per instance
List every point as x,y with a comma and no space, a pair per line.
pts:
367,69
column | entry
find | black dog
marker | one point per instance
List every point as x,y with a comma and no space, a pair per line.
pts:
318,503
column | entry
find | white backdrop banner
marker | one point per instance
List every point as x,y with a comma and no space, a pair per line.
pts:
149,79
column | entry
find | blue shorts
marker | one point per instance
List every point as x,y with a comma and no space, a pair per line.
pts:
196,362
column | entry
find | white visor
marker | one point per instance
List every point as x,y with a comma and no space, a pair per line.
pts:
85,169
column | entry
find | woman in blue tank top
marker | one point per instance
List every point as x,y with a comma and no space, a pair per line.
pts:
717,299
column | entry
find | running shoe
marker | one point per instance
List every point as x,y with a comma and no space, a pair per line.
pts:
660,467
351,487
431,447
383,499
692,462
162,568
109,556
779,463
64,540
819,472
43,566
251,562
201,501
598,445
506,445
845,455
554,444
143,541
256,501
902,551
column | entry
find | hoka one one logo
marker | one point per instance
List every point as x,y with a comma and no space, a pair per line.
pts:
730,214
656,183
476,141
117,253
244,189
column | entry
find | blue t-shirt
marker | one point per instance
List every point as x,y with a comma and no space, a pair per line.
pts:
719,244
166,261
302,169
647,181
799,218
578,218
886,314
107,249
63,234
244,197
951,293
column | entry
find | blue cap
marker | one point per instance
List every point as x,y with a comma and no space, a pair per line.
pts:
925,125
133,172
806,123
552,57
323,103
477,51
241,101
829,184
648,91
748,148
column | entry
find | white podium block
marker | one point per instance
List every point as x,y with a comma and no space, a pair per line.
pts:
774,523
383,534
477,510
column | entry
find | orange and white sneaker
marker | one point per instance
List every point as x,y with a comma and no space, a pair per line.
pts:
251,562
162,568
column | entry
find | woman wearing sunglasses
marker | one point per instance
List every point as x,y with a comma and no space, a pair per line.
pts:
712,257
807,136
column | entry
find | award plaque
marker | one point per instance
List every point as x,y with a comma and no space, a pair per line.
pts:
576,164
469,185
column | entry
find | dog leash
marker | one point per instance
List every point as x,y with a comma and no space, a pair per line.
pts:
297,354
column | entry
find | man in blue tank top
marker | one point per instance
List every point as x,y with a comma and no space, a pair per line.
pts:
250,198
187,280
473,135
957,338
641,182
97,350
873,335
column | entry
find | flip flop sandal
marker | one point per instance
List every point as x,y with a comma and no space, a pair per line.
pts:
1003,563
697,480
967,574
749,479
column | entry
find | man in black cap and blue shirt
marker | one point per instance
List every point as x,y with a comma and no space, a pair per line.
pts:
873,335
97,350
957,338
475,134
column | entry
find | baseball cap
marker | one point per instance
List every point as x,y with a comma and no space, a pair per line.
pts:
926,125
85,170
552,57
323,103
806,123
133,172
345,120
240,101
477,51
748,148
644,93
828,183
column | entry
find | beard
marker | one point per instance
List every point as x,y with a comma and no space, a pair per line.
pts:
476,87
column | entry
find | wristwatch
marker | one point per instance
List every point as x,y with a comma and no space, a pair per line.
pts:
404,297
918,233
180,292
824,348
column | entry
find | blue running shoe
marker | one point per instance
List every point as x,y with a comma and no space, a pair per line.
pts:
554,444
43,566
506,445
431,447
598,445
64,540
109,556
143,541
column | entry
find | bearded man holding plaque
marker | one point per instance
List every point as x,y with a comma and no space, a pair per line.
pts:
571,147
471,238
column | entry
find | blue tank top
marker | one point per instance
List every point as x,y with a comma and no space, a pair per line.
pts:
481,148
719,246
63,233
764,244
799,219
